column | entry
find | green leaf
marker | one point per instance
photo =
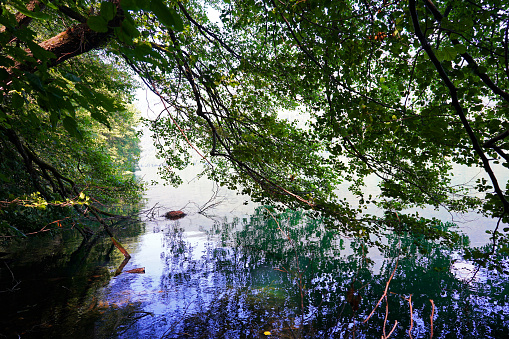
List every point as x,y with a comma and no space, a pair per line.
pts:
38,52
71,126
34,120
53,118
101,118
5,178
6,62
130,5
460,48
122,36
108,10
142,50
58,101
49,4
143,4
466,22
35,14
17,100
98,24
106,102
449,53
167,16
35,81
129,29
440,55
72,77
481,69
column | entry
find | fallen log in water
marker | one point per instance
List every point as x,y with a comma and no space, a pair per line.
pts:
174,215
120,247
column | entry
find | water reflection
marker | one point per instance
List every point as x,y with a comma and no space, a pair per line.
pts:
48,284
291,278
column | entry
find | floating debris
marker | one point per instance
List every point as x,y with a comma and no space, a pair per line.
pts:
174,215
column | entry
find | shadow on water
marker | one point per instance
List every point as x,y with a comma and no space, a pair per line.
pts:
252,278
48,284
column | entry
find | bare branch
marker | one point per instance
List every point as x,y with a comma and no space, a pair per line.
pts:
493,140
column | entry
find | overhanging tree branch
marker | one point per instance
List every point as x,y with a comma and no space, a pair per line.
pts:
255,175
453,91
73,41
468,58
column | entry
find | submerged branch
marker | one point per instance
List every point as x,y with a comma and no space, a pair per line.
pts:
385,292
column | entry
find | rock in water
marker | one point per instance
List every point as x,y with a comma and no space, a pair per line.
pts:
174,215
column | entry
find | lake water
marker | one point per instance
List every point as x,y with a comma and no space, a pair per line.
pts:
230,269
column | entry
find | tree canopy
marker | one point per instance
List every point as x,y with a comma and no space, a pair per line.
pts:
399,90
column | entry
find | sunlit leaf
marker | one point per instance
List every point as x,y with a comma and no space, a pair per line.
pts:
35,14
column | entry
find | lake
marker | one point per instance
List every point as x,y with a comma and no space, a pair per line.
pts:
235,269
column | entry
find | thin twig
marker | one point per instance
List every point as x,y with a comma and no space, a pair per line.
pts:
386,316
431,317
385,320
385,292
393,328
411,316
178,126
14,280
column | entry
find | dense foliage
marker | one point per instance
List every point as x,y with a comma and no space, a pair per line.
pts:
399,90
66,133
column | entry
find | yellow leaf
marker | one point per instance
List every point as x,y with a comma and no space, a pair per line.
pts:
266,332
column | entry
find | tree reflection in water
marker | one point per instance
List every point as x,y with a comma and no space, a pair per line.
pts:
249,280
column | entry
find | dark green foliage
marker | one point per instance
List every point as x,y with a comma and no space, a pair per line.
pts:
66,132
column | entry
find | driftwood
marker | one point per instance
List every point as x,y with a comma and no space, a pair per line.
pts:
174,215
